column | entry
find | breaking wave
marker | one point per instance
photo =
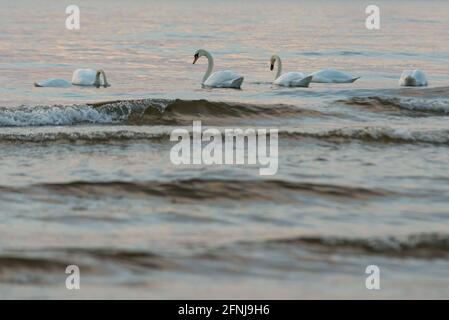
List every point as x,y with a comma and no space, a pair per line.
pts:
91,137
145,111
422,106
57,115
346,134
376,134
203,189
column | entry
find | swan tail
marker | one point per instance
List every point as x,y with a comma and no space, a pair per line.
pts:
237,83
304,82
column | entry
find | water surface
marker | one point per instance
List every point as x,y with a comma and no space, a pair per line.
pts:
86,177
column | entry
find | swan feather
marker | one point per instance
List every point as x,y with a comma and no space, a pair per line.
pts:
224,79
293,79
53,83
332,76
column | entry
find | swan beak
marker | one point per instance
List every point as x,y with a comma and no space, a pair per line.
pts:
271,67
195,58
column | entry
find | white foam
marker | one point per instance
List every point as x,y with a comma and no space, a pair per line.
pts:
426,105
53,116
380,134
401,134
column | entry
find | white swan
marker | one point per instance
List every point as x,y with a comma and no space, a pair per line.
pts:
53,82
89,77
289,79
415,78
332,76
219,79
80,77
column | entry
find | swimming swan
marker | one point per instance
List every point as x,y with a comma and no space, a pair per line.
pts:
89,77
332,76
81,77
415,78
219,79
289,79
54,83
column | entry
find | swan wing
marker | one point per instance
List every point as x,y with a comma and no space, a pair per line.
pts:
293,79
84,77
304,82
332,76
224,79
421,78
53,83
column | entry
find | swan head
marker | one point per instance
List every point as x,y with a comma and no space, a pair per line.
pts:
198,54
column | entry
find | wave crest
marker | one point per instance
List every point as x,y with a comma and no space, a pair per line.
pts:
204,189
57,115
346,134
431,245
139,112
376,134
411,104
91,137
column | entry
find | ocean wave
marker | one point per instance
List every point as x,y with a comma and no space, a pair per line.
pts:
12,261
203,189
375,134
345,134
139,112
56,259
426,245
437,106
183,112
57,115
91,137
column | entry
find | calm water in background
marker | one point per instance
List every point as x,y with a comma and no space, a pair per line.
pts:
363,168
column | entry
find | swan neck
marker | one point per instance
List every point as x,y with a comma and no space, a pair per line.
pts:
97,82
210,65
97,79
279,63
105,80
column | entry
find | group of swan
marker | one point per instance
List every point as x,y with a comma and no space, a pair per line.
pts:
81,77
299,79
230,79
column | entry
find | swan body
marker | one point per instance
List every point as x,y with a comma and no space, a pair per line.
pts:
415,78
224,79
53,83
219,79
80,77
89,77
289,79
332,76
